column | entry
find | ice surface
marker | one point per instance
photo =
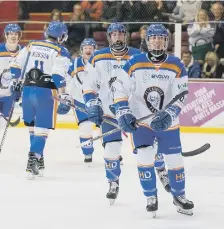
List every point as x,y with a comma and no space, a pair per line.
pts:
72,196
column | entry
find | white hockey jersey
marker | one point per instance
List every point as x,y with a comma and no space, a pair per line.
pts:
75,79
6,58
100,73
149,87
51,58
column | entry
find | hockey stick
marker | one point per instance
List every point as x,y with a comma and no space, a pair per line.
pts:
68,103
177,97
12,108
12,124
197,151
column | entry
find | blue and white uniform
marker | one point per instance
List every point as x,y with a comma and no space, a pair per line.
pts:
145,86
100,73
45,65
74,88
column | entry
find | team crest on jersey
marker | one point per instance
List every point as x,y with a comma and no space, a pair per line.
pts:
154,98
5,78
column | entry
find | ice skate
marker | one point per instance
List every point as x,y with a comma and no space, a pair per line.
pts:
121,160
88,159
41,166
163,176
113,192
32,166
184,206
152,205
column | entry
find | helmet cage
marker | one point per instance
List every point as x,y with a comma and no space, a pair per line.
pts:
157,44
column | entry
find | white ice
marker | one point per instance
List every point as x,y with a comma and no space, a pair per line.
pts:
72,196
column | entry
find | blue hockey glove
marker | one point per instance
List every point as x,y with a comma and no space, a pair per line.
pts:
126,120
63,108
164,119
16,89
95,111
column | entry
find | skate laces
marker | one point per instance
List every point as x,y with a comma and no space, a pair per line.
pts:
88,156
182,199
163,176
113,186
151,200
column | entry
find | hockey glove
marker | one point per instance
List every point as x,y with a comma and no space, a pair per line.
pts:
63,108
16,89
164,119
126,120
94,108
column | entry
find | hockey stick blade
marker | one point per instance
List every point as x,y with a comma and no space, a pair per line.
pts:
12,124
15,123
197,151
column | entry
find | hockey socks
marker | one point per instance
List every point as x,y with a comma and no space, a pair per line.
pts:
87,149
147,178
177,181
38,144
31,132
113,169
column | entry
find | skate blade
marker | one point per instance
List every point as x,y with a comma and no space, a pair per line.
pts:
41,173
154,214
88,164
30,176
184,211
111,201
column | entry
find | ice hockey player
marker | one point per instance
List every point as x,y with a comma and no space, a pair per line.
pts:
100,73
74,95
8,89
46,64
147,83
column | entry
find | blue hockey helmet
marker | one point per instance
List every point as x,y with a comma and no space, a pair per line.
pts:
13,28
55,30
117,45
88,41
157,39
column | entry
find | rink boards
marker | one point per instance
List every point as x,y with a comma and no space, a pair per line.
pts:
203,111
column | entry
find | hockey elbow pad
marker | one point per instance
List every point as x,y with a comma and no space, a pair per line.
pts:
16,72
59,81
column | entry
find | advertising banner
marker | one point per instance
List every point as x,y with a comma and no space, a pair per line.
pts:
204,106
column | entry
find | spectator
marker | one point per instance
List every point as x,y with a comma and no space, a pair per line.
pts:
185,11
217,11
193,68
93,9
153,10
143,46
132,12
212,68
111,12
77,31
56,15
201,36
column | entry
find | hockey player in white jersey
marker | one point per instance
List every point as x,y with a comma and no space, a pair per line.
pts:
100,73
8,51
146,84
74,95
45,65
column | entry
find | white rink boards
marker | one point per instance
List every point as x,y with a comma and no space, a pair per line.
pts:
72,196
